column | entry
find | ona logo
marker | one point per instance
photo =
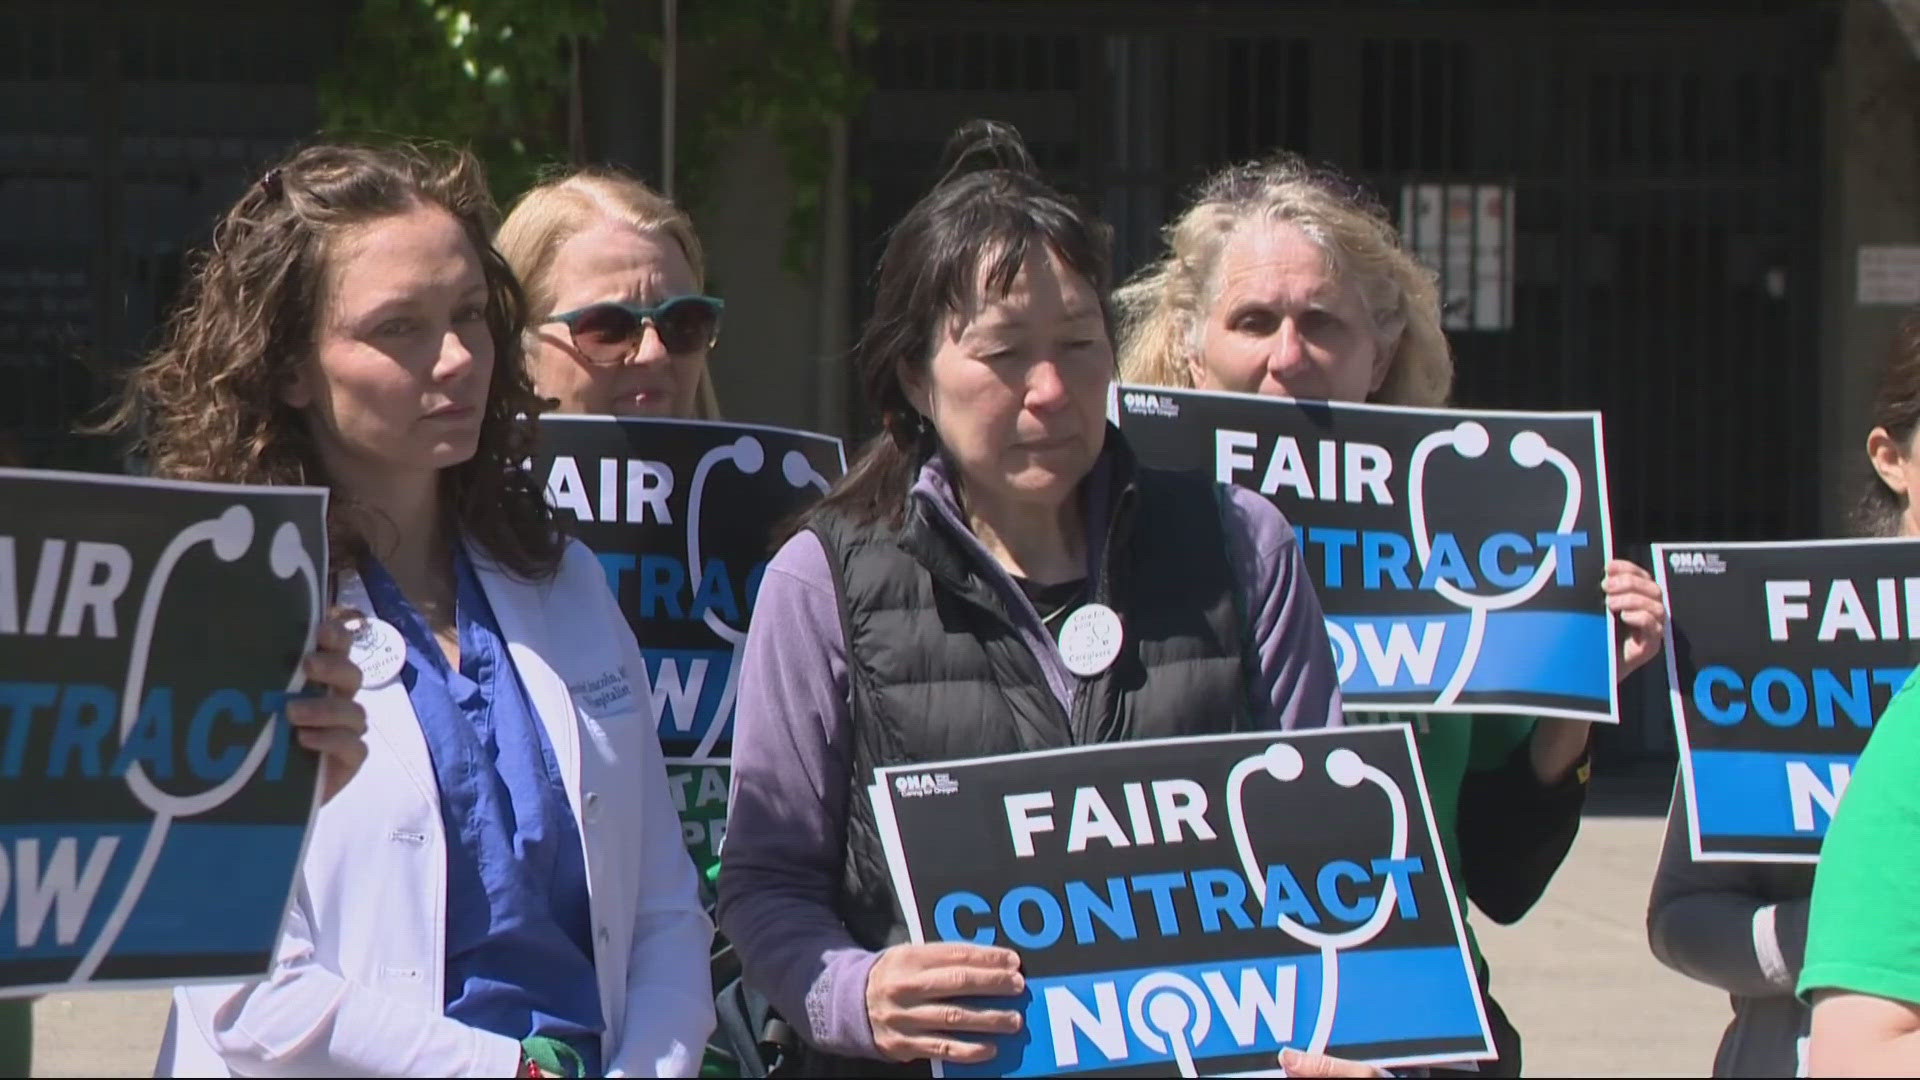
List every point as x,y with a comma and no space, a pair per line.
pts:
913,785
1142,402
1696,562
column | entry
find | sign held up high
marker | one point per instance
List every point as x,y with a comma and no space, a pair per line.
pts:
1458,554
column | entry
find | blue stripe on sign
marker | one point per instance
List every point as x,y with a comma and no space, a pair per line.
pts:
1550,652
215,889
687,685
1766,793
1558,653
1080,1023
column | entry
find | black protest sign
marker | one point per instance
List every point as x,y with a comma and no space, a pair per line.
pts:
1184,905
1779,658
1458,554
152,801
682,514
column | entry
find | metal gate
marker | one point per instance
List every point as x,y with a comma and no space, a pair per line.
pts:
1663,184
125,126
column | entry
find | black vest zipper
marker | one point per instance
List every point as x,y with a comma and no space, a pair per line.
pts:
960,588
1077,721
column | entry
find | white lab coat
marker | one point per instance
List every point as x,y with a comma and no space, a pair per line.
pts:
357,982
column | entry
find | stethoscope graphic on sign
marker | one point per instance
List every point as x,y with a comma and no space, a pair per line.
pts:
1170,1014
1469,439
749,456
230,535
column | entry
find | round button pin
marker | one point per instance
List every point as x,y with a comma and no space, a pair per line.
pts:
378,651
1090,640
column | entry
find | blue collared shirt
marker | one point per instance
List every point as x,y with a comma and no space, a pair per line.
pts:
519,938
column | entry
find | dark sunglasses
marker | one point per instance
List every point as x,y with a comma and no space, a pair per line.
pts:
606,333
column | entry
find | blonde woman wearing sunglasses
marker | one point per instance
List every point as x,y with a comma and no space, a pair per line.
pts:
615,281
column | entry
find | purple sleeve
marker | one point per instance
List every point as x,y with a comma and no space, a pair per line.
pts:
1296,681
787,817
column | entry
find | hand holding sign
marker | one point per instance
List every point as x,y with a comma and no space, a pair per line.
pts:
1635,598
147,738
910,1000
1170,912
332,725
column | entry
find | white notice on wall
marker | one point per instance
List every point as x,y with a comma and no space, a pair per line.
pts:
1493,258
1459,251
1889,274
1464,232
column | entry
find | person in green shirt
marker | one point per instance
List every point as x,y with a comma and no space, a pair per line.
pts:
1282,279
1862,967
1862,971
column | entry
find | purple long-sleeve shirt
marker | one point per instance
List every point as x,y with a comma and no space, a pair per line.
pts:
793,744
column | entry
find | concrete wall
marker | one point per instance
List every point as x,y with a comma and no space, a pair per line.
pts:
1872,189
767,367
767,364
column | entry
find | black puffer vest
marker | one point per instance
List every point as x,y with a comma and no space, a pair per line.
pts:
937,669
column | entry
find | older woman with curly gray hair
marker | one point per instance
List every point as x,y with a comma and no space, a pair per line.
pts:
1281,278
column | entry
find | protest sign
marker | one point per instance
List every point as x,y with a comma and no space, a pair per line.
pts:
1458,555
153,804
1195,905
682,514
1779,658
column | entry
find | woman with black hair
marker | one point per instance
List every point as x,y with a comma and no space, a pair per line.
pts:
916,615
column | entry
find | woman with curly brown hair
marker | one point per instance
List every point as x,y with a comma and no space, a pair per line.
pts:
501,890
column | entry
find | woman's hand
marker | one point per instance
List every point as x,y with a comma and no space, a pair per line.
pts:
910,992
1298,1063
331,723
1634,596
